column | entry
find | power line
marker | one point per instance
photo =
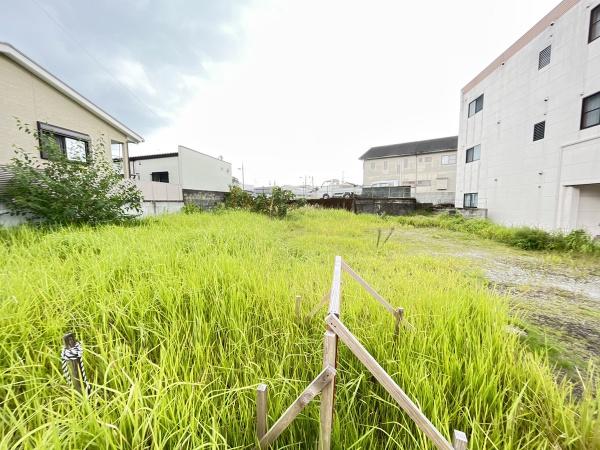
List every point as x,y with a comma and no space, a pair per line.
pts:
84,50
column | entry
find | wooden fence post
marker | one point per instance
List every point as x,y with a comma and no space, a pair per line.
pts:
330,358
71,364
399,315
459,441
262,393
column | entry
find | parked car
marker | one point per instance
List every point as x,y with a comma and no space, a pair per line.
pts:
336,189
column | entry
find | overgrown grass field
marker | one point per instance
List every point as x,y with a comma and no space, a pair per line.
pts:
182,316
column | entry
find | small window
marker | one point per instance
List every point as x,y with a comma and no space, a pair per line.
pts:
473,153
470,200
448,160
424,183
385,165
595,24
161,177
544,58
539,131
73,144
476,105
590,114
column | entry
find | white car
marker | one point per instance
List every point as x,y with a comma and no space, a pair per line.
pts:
336,189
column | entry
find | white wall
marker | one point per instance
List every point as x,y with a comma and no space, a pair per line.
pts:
519,181
143,168
203,172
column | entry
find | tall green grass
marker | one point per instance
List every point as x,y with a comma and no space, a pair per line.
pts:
182,316
526,238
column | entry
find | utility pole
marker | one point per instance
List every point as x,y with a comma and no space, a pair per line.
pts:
243,178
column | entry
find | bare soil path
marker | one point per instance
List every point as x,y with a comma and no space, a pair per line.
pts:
555,298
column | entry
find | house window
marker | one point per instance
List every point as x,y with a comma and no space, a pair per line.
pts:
385,165
424,183
590,114
116,152
73,144
161,177
448,160
470,200
539,131
544,57
473,153
476,105
595,24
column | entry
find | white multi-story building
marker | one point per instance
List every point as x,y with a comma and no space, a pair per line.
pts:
529,138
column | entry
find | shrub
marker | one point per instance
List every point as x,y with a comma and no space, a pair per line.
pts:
526,238
60,191
275,205
191,208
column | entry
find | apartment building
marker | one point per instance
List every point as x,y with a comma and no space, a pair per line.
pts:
529,137
427,167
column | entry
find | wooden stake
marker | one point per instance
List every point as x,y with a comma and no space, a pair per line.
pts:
399,315
328,396
335,295
388,383
73,366
323,379
262,393
460,441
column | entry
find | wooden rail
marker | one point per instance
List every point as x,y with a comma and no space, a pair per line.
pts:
387,382
322,380
325,381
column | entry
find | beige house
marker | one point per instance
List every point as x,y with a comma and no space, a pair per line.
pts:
38,98
428,167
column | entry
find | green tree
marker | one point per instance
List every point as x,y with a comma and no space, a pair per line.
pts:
57,190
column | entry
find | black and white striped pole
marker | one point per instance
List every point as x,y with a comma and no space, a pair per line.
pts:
72,364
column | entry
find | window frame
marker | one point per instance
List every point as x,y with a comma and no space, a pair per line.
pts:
450,158
60,136
595,11
477,103
471,204
473,159
159,176
584,112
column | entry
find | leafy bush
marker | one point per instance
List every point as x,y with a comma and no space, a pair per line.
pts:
60,191
275,205
191,208
526,238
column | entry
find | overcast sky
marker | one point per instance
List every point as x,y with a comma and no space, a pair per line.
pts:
289,88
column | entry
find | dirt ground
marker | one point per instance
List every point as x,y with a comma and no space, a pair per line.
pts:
555,298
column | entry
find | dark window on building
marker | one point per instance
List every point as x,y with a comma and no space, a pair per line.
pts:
161,177
539,131
73,144
473,153
595,24
476,105
590,113
544,58
470,200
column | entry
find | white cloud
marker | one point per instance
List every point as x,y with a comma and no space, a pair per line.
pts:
319,82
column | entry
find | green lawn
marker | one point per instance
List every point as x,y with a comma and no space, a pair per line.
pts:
182,316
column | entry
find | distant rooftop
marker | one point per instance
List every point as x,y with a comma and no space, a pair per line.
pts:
413,148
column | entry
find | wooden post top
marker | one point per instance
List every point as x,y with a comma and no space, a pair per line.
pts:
69,340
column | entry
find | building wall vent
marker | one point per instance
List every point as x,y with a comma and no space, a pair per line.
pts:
545,56
539,131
